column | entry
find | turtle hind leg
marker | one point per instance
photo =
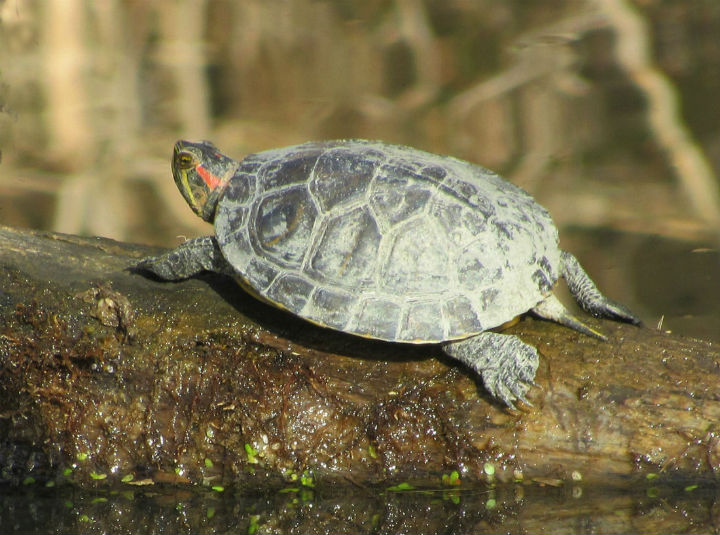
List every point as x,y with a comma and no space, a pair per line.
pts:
190,258
506,364
588,296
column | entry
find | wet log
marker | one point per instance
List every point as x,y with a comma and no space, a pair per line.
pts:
107,376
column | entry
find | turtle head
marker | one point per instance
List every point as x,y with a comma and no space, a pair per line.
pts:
201,173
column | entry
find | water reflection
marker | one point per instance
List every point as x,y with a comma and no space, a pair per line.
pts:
672,284
516,509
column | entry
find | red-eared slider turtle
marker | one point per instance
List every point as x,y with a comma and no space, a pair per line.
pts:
385,242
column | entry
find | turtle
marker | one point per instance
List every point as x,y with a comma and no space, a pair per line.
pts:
386,242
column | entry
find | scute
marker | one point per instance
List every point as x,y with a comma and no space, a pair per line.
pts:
458,224
377,318
473,274
241,189
356,168
422,321
294,170
463,317
291,290
345,250
469,194
259,274
283,225
397,194
329,307
386,242
235,245
418,262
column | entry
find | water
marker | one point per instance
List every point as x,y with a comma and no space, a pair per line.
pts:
672,284
516,509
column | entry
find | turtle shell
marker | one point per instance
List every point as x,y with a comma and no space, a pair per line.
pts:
385,241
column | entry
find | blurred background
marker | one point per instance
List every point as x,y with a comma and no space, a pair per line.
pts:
607,111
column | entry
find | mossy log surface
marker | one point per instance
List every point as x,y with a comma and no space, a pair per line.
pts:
107,376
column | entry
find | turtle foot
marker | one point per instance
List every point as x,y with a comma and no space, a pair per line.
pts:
588,296
154,266
506,364
187,260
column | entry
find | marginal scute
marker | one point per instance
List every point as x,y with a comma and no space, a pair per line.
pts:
422,322
469,194
542,280
504,230
235,246
547,268
329,307
259,274
377,318
488,298
435,172
291,291
464,318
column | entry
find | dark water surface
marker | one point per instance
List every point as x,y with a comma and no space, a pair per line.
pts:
647,508
672,284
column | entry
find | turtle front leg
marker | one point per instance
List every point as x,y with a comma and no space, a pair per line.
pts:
506,364
191,258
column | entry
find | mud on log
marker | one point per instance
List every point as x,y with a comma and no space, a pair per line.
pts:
108,376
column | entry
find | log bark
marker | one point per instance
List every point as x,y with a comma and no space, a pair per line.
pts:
107,376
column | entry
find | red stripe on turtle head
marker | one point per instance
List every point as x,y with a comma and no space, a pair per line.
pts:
212,181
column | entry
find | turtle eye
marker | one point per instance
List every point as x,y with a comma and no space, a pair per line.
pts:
185,160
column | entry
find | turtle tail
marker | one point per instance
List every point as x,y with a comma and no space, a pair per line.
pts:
552,309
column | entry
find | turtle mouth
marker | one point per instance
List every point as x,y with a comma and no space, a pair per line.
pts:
186,168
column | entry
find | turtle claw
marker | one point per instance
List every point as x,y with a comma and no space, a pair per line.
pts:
520,392
614,310
142,266
148,267
506,364
509,394
192,257
588,296
164,268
